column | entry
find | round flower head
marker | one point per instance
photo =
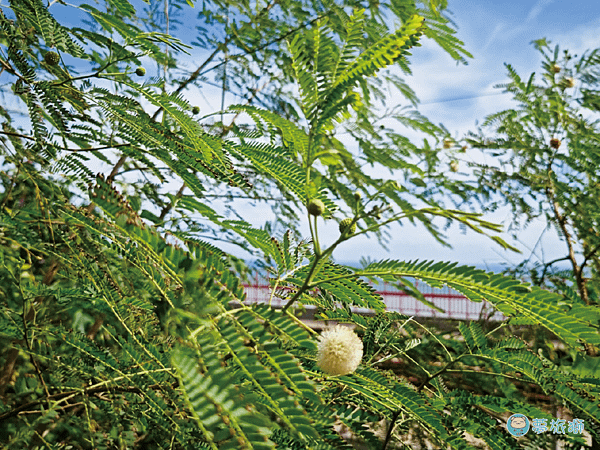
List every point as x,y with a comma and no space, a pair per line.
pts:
567,82
51,58
316,207
339,351
347,224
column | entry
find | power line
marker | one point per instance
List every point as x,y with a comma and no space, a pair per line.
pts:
462,98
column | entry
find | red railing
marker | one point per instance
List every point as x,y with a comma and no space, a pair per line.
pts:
455,305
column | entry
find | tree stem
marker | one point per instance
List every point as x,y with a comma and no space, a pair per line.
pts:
562,223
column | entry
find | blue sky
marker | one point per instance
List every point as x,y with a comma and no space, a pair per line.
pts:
494,32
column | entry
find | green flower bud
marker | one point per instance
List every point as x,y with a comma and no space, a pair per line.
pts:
567,82
195,110
51,58
316,207
140,71
344,224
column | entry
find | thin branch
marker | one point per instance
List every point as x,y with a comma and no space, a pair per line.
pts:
23,136
96,74
255,93
61,395
168,207
93,149
116,168
390,429
562,222
438,373
495,374
12,71
262,47
88,149
198,72
167,24
547,265
588,256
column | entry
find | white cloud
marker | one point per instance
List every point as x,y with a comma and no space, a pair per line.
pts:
537,10
581,38
497,29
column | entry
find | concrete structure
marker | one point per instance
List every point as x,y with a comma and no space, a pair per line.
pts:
455,305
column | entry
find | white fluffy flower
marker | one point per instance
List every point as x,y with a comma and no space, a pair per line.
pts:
339,351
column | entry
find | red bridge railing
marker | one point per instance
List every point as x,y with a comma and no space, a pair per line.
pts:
455,305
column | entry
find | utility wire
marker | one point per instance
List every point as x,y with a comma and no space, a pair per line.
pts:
468,97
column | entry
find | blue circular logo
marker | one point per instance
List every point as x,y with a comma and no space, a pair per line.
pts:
517,425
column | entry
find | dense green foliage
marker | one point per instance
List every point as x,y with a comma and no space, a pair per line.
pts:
122,328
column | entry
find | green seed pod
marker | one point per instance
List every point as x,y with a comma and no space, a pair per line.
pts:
316,207
357,195
51,58
140,71
195,110
344,224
